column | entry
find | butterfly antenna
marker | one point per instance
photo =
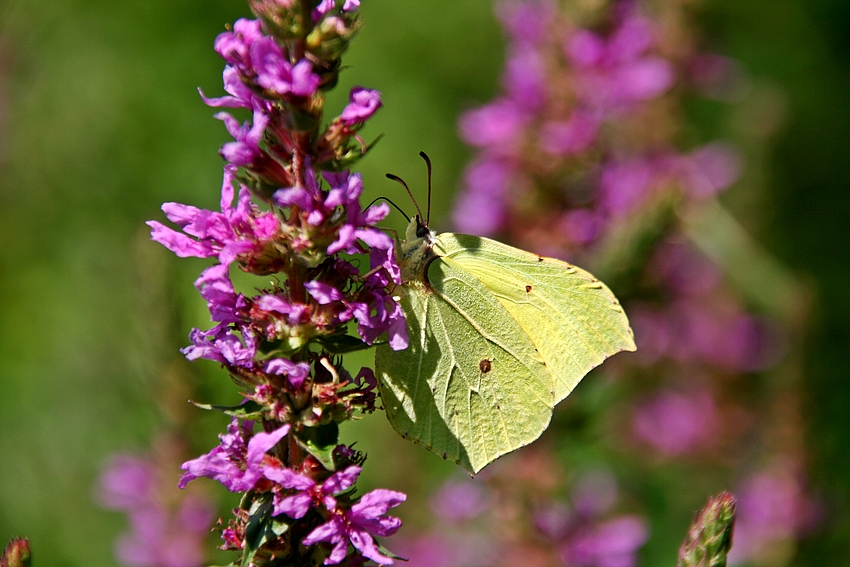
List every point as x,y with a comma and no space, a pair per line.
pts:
400,180
407,218
428,163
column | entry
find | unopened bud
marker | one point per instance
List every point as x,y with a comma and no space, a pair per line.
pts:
17,553
710,536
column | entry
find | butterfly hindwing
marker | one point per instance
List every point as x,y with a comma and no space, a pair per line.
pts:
471,385
571,317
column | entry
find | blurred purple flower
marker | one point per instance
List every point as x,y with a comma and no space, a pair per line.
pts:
612,544
158,537
595,493
772,508
126,482
674,423
553,519
496,126
711,169
524,77
524,22
481,206
625,185
460,501
570,137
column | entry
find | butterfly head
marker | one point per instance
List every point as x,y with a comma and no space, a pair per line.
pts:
416,250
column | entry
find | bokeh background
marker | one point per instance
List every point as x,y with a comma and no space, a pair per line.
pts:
100,122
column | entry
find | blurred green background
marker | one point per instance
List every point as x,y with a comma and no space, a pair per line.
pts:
100,122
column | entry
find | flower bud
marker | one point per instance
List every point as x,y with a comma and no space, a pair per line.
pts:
710,536
283,19
17,553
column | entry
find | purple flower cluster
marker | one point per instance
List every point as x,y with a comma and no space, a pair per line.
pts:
290,208
159,536
572,97
774,509
582,156
486,521
241,463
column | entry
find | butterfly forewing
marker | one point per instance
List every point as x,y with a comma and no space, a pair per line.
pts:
571,317
471,386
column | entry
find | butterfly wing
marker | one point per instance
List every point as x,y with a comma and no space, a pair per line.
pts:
470,386
573,319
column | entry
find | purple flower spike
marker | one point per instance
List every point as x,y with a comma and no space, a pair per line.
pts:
363,104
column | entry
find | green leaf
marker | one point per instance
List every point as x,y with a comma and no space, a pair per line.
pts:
342,344
320,442
248,410
256,532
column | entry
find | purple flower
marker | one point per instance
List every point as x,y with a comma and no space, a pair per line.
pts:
611,544
363,103
222,345
307,492
358,525
245,151
277,74
235,46
235,231
240,95
323,8
295,372
216,288
235,464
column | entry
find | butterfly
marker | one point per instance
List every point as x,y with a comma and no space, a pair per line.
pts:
498,336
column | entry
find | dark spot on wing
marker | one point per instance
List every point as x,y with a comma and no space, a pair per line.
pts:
528,289
444,456
540,258
485,366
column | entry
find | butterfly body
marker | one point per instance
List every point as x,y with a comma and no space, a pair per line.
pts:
498,336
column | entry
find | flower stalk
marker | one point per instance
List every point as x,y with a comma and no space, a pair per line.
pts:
290,209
